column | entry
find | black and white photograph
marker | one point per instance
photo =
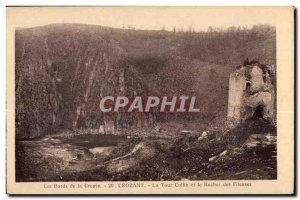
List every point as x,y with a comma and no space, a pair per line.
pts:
134,101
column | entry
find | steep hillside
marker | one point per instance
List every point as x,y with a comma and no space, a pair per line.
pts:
62,70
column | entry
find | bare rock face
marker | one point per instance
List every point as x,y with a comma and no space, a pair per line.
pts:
62,70
252,93
260,104
140,152
260,140
61,73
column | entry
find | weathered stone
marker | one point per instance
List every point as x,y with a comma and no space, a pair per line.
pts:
223,153
251,94
212,158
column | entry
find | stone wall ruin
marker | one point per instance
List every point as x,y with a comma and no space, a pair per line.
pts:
252,93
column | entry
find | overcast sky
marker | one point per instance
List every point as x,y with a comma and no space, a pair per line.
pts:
146,18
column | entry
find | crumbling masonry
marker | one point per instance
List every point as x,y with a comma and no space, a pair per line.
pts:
252,92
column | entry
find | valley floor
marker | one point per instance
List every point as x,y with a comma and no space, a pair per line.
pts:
246,152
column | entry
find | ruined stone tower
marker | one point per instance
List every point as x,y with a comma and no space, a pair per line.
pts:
252,93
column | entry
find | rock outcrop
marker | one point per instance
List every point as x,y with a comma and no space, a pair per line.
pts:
252,93
63,70
59,86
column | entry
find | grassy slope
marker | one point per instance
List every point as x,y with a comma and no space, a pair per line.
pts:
167,63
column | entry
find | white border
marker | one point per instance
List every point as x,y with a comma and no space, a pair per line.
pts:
4,3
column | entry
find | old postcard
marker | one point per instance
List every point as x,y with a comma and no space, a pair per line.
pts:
150,100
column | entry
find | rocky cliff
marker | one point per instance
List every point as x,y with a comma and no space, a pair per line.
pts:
62,71
60,75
